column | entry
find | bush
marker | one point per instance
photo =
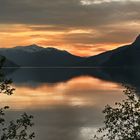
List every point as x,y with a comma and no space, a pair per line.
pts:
16,129
122,122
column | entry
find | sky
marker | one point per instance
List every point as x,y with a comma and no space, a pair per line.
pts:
82,27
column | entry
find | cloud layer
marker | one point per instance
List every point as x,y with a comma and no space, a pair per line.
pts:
90,2
71,24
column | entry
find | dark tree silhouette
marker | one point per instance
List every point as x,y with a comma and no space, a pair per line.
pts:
16,129
123,121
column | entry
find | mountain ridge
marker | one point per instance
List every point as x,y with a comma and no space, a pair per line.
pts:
37,56
128,57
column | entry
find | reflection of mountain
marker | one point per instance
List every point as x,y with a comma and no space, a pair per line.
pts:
128,76
46,75
35,77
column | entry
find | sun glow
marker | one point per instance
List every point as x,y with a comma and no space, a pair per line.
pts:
77,41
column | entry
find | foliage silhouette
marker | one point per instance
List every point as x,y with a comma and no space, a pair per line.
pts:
123,121
15,129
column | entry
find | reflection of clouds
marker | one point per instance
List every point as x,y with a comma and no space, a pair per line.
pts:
82,91
65,111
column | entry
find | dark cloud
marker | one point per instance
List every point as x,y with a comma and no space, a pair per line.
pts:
111,22
67,12
106,37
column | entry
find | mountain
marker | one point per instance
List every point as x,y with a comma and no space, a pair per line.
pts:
36,56
128,57
6,63
31,48
125,56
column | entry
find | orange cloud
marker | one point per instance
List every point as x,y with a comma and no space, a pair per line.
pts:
78,41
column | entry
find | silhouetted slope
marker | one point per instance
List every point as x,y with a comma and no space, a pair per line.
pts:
125,56
9,63
36,56
101,59
97,60
128,57
4,62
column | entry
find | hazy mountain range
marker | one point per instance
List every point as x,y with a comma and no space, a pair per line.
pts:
36,56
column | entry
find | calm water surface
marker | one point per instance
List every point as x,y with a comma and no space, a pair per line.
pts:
63,108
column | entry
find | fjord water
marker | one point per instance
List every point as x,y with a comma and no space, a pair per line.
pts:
66,104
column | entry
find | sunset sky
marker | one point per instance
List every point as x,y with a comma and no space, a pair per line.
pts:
82,27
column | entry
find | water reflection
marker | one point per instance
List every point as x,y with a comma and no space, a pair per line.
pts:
34,77
17,128
65,107
80,91
67,103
